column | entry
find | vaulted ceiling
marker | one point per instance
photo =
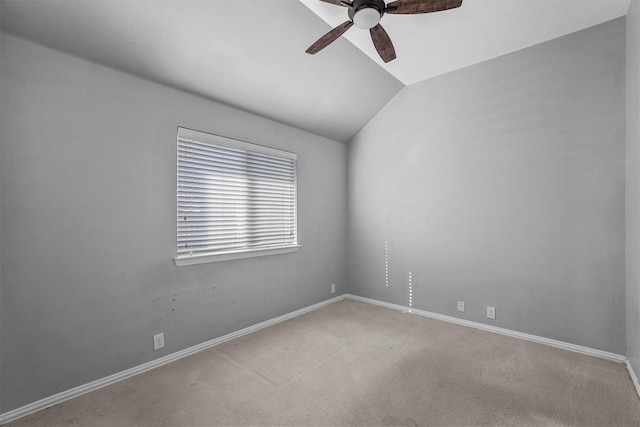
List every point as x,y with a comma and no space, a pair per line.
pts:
250,54
432,44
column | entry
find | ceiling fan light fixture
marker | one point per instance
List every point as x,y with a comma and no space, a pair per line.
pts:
366,17
366,14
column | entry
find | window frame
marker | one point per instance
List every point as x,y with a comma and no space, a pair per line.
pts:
183,259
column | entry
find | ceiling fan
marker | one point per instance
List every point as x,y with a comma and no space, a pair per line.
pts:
366,14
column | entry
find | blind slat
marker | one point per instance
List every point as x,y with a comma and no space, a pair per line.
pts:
233,199
220,150
194,164
231,159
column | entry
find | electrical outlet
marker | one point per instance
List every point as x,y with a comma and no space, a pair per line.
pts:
333,288
460,305
158,341
491,312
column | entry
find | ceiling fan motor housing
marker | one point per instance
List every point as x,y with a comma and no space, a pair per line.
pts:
366,13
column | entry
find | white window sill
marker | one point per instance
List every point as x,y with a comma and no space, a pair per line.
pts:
183,260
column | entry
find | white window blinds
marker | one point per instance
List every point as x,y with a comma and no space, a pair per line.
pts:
233,196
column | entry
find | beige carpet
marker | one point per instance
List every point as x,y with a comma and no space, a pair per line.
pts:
352,363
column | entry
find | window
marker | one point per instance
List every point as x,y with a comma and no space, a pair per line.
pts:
235,199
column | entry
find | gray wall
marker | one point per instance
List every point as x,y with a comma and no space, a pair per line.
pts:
89,222
502,184
1,237
633,185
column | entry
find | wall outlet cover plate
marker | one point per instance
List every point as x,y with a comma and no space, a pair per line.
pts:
158,341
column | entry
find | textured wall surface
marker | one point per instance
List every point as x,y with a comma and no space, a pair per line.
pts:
89,225
502,184
633,185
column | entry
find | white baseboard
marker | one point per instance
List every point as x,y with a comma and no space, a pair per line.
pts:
553,343
111,379
634,378
534,338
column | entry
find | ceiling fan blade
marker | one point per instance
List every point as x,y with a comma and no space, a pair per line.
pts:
329,38
383,44
421,6
344,3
